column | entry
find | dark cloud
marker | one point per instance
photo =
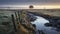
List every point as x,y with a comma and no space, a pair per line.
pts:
28,1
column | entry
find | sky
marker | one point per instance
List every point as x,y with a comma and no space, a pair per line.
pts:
43,3
29,2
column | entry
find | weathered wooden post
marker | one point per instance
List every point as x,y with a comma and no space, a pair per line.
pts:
13,20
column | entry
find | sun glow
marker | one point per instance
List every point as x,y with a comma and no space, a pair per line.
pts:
47,7
27,6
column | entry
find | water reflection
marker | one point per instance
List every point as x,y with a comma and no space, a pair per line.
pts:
40,21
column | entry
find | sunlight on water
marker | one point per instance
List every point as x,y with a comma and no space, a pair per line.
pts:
40,21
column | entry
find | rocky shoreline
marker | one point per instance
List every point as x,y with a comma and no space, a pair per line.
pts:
54,21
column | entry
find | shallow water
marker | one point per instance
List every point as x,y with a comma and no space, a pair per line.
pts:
40,21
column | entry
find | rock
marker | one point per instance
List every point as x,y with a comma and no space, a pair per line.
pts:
41,32
31,17
34,25
48,24
5,23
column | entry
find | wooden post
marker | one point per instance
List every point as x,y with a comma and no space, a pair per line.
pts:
14,23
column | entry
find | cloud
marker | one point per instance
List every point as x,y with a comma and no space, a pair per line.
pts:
28,1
